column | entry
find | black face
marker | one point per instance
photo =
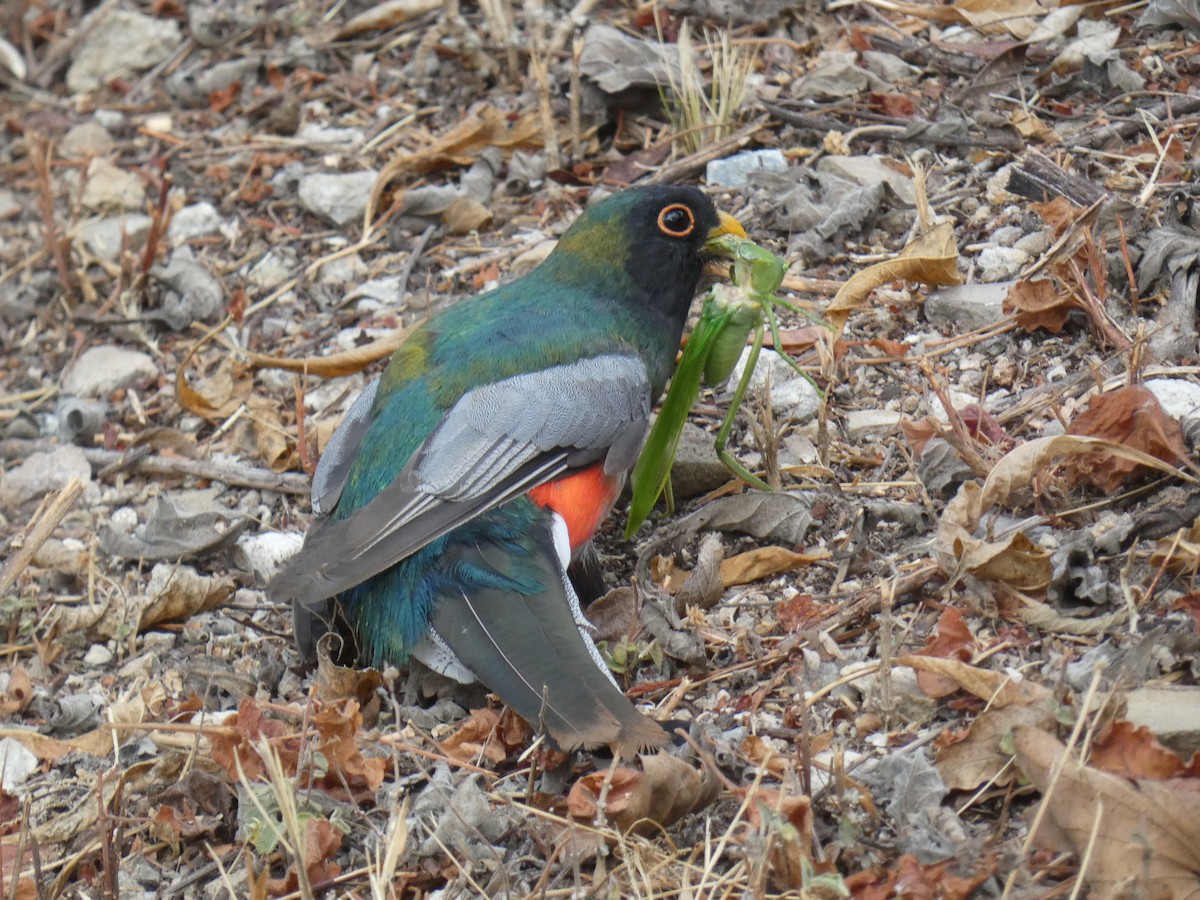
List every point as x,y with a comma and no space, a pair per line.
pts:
669,226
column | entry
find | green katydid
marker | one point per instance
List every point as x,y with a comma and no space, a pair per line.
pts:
729,313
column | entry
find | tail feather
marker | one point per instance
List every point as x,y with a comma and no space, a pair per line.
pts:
527,647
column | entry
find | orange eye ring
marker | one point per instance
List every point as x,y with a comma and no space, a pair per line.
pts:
672,224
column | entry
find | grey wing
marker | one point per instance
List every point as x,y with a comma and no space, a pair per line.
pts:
499,441
334,464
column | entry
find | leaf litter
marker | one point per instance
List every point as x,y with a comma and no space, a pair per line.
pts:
908,672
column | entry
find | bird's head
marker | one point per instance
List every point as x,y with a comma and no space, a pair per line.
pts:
647,245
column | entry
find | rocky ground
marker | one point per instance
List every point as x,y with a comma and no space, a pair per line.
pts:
956,654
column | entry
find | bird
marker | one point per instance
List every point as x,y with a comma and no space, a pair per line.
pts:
460,484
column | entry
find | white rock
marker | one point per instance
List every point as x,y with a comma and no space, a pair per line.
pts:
100,370
103,237
791,393
120,42
1001,263
1180,400
41,473
272,270
97,655
338,197
264,553
966,307
111,189
193,221
9,207
17,763
867,423
732,171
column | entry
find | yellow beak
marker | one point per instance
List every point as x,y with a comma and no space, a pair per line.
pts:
727,224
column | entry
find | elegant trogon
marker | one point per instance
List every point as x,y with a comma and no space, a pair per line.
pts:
454,493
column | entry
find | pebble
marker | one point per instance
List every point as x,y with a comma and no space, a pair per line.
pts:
273,269
103,237
1007,235
97,655
263,554
1001,263
867,423
120,42
9,207
86,139
339,198
101,370
1180,400
966,307
193,221
111,189
41,473
17,763
792,395
697,468
733,171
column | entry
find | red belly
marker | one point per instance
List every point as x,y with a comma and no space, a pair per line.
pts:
582,499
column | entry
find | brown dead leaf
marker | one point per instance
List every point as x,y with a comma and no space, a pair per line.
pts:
18,693
979,758
1146,833
952,640
486,127
1180,553
234,742
1134,752
335,365
1014,17
665,789
487,736
1039,303
182,594
219,395
996,688
763,562
339,727
931,258
1015,561
1132,417
705,587
334,683
784,823
270,435
382,16
321,842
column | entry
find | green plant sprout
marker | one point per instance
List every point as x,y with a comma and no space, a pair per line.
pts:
729,314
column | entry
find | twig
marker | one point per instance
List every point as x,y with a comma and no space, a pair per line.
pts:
39,531
110,461
693,164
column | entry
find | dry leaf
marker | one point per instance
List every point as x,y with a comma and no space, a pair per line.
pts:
487,736
176,592
1038,303
1179,552
1146,833
763,562
1018,18
1132,417
931,258
662,792
217,396
270,436
1134,752
388,14
952,640
487,127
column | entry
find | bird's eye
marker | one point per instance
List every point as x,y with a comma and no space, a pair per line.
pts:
676,220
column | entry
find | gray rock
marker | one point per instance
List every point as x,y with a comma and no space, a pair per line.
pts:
733,171
193,221
966,307
890,67
100,370
41,473
111,189
263,554
792,395
697,468
1034,244
1001,263
193,293
1172,713
868,171
9,207
17,762
337,197
1006,236
120,42
868,423
103,237
273,269
1180,400
331,138
86,139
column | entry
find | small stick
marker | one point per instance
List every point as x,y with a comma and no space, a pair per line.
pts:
39,532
